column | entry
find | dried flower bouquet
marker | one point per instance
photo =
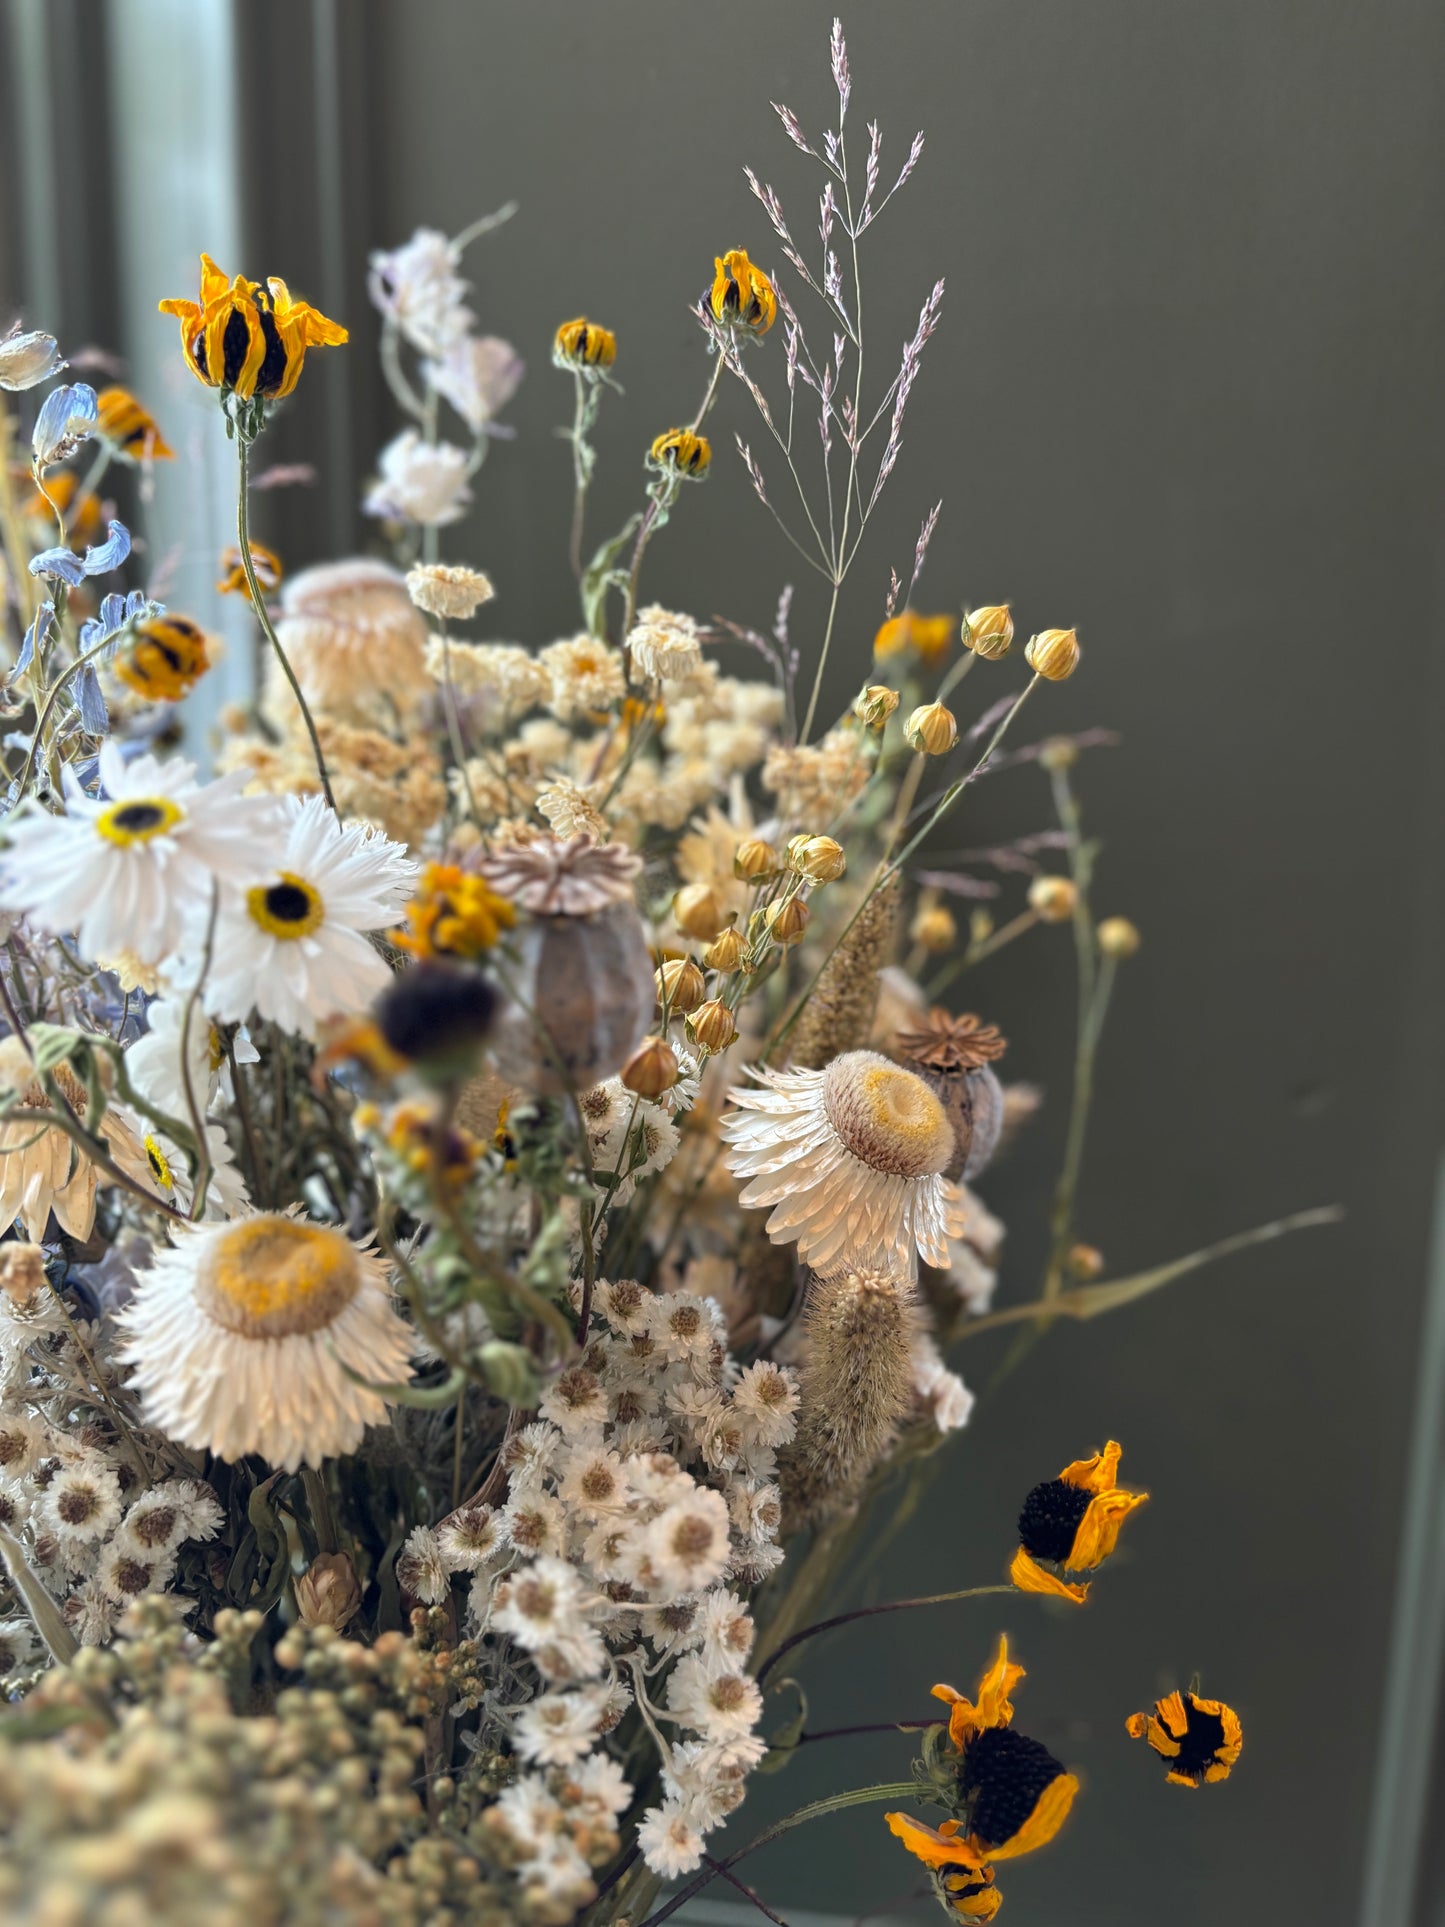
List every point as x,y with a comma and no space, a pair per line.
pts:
487,1178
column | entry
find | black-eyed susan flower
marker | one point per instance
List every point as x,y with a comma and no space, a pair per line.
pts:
682,451
410,1131
965,1887
583,346
163,659
742,295
246,339
1200,1739
264,561
454,914
1013,1793
131,431
1072,1524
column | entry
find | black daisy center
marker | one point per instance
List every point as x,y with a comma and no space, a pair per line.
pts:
235,346
1005,1773
288,903
136,818
273,362
1050,1519
1202,1741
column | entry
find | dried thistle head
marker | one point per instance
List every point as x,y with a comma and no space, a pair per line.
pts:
943,1042
562,877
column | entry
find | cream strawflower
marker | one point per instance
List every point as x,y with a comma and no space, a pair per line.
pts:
586,676
851,1159
664,646
41,1170
355,640
506,681
293,948
125,869
448,590
242,1335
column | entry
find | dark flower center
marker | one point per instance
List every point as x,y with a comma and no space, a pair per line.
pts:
1005,1773
1201,1743
288,903
1050,1519
136,818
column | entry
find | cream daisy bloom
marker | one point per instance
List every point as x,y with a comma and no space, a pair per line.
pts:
125,869
41,1169
242,1335
448,589
851,1159
586,676
294,948
664,646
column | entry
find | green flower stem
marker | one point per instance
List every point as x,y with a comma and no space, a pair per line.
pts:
258,603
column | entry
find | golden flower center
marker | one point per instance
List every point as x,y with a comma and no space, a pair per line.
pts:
287,908
159,1163
886,1116
275,1277
137,819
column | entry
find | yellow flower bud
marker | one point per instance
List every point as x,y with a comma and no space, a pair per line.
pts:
754,858
651,1069
711,1026
1053,653
932,729
1085,1261
1118,938
679,451
875,704
726,952
680,984
1053,898
699,910
817,857
582,344
934,927
788,920
1059,753
989,632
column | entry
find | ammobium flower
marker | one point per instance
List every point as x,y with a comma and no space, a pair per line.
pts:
851,1159
664,645
1072,1523
246,338
1201,1739
293,947
742,295
41,1169
125,871
239,1335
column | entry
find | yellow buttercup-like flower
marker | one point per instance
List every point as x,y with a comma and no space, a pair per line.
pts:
1072,1524
248,339
1200,1739
742,295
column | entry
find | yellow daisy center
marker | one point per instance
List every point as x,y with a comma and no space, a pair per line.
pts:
276,1277
137,819
287,908
886,1116
159,1163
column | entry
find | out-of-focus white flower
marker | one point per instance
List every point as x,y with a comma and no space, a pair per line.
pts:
417,286
420,481
448,590
663,645
721,1706
27,359
478,374
686,1547
586,676
421,1567
945,1397
557,1728
539,1603
670,1843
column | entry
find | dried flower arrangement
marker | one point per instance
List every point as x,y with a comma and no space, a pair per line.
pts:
486,1183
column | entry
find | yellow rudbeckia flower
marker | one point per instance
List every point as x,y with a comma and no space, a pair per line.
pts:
1201,1739
248,339
1072,1523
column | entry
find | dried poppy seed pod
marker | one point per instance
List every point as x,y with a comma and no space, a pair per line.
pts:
1053,898
651,1069
788,920
931,728
1053,654
875,704
699,911
1085,1261
955,1056
726,952
934,927
989,632
681,986
1117,938
817,857
711,1026
754,858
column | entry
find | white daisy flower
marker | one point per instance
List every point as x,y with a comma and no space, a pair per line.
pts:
575,1403
766,1398
557,1728
685,1328
601,1786
756,1506
90,1613
166,1517
532,1455
226,1193
724,1630
686,1547
593,1481
153,1061
722,1706
671,1844
470,1538
421,1567
708,1778
81,1503
22,1442
539,1603
125,870
241,1337
126,1574
535,1524
294,947
586,676
851,1159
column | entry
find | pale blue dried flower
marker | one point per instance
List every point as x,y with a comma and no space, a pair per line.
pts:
64,565
67,418
28,359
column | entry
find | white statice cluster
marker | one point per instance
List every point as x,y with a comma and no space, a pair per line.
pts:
91,1530
641,1496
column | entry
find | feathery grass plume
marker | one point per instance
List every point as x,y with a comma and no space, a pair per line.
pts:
839,1014
857,1387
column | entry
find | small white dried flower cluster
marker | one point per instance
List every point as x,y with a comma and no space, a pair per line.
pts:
645,1486
813,783
632,1137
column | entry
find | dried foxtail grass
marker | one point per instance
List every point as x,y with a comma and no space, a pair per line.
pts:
857,1388
839,1014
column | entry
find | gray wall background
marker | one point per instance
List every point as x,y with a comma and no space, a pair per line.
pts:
1187,395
